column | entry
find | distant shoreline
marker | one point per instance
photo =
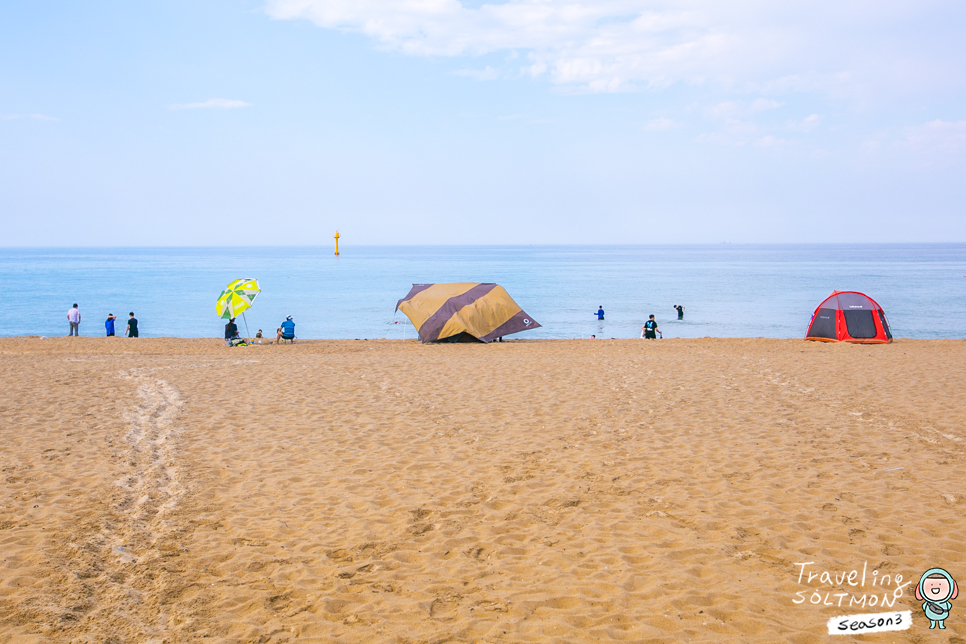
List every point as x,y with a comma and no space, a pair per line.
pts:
302,341
764,290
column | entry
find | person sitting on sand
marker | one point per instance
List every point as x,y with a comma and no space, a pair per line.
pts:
231,331
259,334
286,331
650,329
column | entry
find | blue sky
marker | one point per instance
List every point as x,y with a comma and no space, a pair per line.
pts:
436,121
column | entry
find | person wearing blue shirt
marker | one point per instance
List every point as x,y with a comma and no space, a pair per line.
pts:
109,324
286,331
600,313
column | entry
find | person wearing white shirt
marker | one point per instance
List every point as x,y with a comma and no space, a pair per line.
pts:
74,317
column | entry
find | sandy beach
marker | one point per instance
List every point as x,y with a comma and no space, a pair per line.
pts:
172,490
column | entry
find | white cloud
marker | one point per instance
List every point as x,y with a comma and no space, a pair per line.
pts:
614,45
732,110
744,128
661,124
938,137
211,103
32,117
769,141
763,104
724,110
807,124
485,74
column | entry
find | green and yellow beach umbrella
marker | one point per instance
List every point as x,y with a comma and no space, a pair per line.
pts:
237,298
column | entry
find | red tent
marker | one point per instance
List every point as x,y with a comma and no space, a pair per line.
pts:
849,316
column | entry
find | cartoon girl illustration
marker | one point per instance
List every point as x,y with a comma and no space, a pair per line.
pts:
936,590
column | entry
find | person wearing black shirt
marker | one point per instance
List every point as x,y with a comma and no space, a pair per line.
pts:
680,309
650,329
132,326
231,331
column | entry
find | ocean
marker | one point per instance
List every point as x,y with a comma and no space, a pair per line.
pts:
728,290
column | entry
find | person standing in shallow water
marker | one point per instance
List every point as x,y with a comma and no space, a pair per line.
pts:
680,309
650,329
600,312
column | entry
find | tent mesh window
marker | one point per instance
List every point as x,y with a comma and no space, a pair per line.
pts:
854,301
885,325
823,326
861,324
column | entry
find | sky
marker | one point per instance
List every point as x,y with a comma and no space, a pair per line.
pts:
278,122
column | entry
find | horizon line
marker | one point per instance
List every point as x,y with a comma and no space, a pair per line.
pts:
464,245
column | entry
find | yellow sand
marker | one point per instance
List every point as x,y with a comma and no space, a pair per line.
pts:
165,490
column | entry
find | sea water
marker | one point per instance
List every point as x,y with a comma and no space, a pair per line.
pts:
728,290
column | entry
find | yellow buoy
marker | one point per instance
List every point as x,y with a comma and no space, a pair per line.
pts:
337,242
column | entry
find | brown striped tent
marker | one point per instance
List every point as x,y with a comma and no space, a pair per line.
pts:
453,311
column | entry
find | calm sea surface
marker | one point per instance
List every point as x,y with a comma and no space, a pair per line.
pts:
728,290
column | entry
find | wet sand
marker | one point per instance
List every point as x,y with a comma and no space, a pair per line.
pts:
167,490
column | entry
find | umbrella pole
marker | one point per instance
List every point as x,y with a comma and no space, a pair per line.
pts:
246,328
